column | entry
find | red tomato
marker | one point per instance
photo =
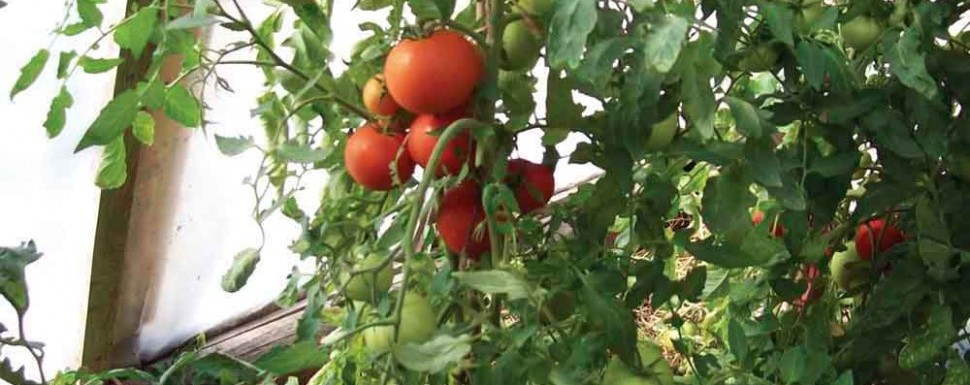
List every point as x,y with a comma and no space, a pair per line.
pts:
370,154
866,233
532,183
424,136
435,74
459,215
777,229
376,98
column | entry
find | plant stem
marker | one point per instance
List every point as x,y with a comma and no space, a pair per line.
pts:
416,208
248,26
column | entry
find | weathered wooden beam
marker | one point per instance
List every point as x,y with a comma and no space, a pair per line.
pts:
132,223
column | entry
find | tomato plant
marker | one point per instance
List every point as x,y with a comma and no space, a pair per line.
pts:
845,121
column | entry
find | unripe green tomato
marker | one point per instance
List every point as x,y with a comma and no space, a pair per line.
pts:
417,326
536,7
806,18
849,270
759,59
662,133
861,32
360,286
520,46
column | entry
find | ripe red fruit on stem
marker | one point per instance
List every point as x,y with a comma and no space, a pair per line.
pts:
435,74
424,136
776,228
532,183
879,232
459,215
370,154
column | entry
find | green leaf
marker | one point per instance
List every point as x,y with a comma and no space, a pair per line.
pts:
134,34
12,376
725,255
765,166
435,355
845,379
30,72
597,67
909,64
144,128
933,244
182,106
234,146
64,62
112,121
737,341
13,284
780,19
793,365
432,9
75,29
294,152
153,94
662,46
571,23
726,201
699,103
57,115
750,120
957,373
113,171
811,60
243,266
97,66
90,15
287,359
518,103
373,5
497,282
561,110
610,316
931,342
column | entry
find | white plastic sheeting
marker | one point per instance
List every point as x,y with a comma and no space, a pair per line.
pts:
47,192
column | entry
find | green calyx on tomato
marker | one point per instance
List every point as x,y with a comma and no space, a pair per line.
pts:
362,282
417,325
662,133
849,270
861,32
521,43
759,58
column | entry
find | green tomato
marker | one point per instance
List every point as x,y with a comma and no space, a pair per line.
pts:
849,270
861,32
807,17
536,7
662,133
360,286
520,46
759,59
417,326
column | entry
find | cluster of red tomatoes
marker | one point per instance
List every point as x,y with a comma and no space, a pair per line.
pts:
874,236
433,80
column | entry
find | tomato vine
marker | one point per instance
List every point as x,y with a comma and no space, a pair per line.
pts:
782,198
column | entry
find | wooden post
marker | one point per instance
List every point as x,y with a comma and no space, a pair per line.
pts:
132,230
